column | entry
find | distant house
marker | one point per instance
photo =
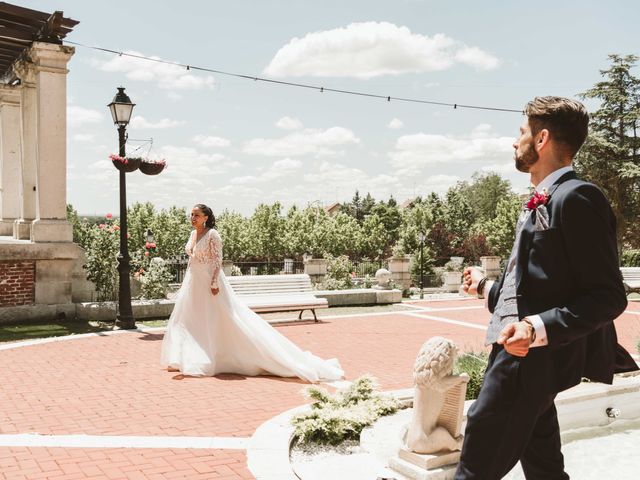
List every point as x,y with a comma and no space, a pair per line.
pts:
332,209
408,203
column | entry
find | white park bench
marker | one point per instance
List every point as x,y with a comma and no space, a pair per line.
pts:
277,293
631,278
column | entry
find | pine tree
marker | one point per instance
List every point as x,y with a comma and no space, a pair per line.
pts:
610,157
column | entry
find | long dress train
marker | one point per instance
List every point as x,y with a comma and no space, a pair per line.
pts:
209,334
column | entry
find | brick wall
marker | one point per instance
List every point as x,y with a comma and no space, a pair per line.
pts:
17,283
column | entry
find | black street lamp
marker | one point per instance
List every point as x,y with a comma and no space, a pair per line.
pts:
421,238
121,108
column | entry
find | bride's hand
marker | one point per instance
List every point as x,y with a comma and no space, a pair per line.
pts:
214,291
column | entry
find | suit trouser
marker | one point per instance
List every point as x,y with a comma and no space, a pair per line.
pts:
510,422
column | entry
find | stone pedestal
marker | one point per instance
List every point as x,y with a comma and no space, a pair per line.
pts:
400,268
22,229
51,231
452,281
227,265
425,467
82,290
491,266
316,268
54,267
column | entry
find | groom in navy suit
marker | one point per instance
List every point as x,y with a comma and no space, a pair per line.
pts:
552,309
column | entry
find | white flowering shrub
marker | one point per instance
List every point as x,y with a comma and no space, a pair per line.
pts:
342,416
155,279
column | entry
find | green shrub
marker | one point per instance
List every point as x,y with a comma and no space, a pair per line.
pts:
103,245
336,418
473,365
338,273
630,258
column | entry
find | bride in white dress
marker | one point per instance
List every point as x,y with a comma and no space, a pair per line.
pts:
211,331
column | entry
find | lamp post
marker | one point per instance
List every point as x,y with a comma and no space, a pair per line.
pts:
421,238
121,108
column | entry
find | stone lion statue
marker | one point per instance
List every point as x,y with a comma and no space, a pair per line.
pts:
433,377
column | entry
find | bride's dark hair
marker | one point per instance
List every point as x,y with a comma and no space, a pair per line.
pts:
211,219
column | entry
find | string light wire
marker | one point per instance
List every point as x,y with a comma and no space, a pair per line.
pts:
321,89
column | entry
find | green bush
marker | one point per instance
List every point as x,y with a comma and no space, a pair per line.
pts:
473,365
630,258
342,416
103,245
338,273
415,266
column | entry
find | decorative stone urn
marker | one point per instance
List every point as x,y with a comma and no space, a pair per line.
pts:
491,266
452,281
383,277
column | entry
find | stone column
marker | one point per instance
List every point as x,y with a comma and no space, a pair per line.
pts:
28,141
316,268
51,223
400,268
10,158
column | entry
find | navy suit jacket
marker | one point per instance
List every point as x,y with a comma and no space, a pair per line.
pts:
569,275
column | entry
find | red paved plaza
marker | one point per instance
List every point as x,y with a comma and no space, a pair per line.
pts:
113,385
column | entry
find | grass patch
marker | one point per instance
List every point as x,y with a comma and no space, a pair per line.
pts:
31,331
474,365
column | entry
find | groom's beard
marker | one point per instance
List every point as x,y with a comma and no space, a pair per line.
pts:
527,158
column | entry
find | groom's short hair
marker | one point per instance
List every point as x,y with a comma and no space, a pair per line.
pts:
567,120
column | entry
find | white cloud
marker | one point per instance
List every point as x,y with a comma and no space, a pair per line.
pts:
474,57
308,141
165,76
78,116
279,169
371,49
395,124
506,167
288,123
210,141
83,137
413,152
141,122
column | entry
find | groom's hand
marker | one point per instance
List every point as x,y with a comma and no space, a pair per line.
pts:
470,278
516,338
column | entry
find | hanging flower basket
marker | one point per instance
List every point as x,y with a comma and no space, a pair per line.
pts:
152,167
126,164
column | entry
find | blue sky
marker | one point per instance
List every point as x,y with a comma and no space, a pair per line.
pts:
234,143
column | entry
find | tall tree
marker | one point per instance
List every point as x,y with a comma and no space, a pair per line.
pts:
267,230
610,157
483,193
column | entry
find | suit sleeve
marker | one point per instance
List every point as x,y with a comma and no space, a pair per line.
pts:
589,235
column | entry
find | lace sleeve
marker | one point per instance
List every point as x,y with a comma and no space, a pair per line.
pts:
188,248
215,254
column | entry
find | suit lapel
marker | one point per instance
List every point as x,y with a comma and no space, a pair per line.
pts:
528,229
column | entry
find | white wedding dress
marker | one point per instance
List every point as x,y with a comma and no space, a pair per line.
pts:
209,334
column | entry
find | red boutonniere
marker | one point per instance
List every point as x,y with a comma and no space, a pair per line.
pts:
537,200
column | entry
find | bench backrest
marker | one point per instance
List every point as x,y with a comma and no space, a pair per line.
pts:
630,273
270,284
